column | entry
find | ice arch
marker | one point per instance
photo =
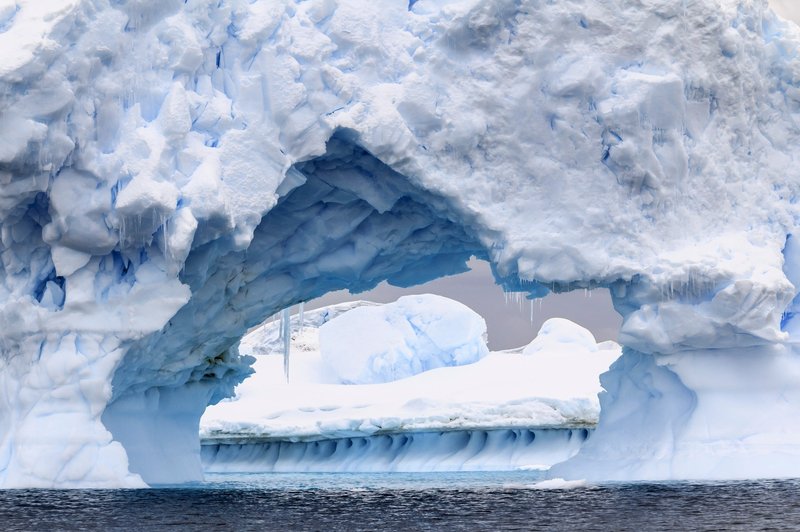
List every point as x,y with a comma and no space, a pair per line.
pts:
165,163
350,222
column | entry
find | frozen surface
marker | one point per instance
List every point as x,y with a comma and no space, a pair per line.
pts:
173,172
507,410
552,383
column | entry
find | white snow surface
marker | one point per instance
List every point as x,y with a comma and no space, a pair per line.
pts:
389,342
173,172
552,383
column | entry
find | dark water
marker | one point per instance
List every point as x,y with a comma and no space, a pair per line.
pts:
466,501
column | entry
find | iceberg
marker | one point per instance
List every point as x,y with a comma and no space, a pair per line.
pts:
173,172
401,339
531,406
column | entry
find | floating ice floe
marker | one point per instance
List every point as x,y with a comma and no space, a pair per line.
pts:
546,392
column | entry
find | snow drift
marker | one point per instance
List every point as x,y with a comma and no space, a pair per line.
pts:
172,172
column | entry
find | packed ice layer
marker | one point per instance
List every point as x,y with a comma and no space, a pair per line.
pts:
529,407
172,172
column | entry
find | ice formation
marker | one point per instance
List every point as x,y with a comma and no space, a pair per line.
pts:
418,451
172,172
532,406
551,383
400,339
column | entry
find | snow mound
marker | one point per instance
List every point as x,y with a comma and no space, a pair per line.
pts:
397,340
567,359
563,334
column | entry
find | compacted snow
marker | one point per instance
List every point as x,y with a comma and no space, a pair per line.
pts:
172,172
550,384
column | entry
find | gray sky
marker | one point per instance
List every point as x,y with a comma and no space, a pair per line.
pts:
789,9
510,323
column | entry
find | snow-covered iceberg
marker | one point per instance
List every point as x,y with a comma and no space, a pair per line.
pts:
401,339
173,172
509,409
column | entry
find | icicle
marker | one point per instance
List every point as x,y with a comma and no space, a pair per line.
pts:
165,238
286,332
300,315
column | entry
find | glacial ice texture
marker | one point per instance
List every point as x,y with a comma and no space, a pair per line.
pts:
412,335
461,450
173,172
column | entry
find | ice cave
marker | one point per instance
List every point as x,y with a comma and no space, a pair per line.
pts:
172,172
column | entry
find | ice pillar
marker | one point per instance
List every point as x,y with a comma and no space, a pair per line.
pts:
286,333
54,390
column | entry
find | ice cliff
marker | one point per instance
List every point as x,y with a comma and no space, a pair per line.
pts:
172,172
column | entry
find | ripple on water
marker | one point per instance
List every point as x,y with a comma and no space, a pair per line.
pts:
443,501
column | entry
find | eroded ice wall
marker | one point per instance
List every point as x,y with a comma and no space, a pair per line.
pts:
171,172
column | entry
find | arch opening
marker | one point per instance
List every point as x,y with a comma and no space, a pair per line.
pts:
344,220
512,319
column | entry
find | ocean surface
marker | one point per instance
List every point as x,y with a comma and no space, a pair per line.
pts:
440,501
